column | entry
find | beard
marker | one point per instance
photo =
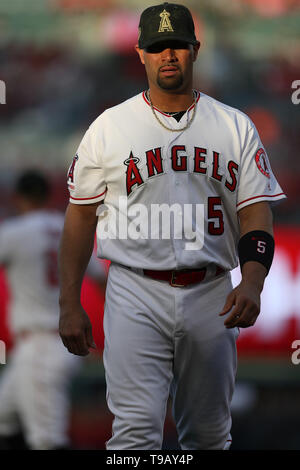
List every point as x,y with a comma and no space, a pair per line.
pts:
170,83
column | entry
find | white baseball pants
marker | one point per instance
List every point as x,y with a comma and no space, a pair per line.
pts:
159,340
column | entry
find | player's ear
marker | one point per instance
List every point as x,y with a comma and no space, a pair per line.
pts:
140,53
196,48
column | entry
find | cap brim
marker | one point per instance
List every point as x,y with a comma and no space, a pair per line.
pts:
168,37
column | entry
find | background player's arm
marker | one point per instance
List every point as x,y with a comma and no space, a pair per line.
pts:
244,300
97,272
75,251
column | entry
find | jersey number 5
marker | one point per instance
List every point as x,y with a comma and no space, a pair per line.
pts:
216,227
261,246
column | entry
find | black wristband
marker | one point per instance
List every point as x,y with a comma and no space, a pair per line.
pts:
257,245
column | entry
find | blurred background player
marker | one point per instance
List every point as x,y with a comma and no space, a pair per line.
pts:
34,384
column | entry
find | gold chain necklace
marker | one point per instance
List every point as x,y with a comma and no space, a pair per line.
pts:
166,127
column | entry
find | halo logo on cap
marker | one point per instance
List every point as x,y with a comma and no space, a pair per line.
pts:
165,22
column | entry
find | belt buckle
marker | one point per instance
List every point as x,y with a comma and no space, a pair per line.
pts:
173,283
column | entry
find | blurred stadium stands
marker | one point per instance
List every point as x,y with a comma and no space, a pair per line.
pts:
63,63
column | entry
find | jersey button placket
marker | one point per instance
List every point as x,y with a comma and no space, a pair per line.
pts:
174,194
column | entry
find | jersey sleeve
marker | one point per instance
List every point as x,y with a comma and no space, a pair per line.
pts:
257,182
85,175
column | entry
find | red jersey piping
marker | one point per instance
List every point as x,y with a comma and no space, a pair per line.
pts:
87,198
256,197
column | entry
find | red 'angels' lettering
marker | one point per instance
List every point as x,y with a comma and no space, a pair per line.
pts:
233,169
154,161
200,157
133,175
215,173
179,161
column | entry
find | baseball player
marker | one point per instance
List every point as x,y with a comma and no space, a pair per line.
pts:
177,186
34,396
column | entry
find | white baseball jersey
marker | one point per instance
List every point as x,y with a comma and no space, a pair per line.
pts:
171,198
28,250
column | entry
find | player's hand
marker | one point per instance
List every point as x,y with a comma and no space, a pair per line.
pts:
244,301
75,330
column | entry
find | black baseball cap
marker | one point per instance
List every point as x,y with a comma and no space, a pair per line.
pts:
167,21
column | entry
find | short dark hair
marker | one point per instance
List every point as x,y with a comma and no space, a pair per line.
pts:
33,185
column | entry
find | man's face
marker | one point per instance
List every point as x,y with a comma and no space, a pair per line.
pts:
169,64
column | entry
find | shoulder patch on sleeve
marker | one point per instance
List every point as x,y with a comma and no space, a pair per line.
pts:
70,176
262,162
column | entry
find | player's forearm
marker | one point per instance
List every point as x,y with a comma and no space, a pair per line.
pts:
75,251
254,273
256,217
